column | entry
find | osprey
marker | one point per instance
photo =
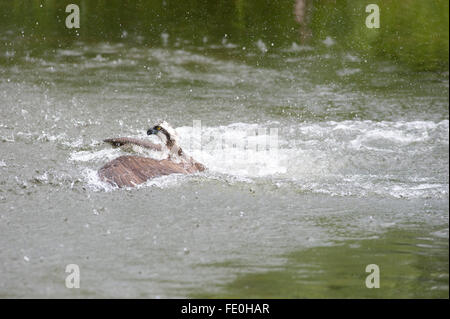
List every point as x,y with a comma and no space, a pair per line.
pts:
129,171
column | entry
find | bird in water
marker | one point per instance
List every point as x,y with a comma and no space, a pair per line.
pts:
132,170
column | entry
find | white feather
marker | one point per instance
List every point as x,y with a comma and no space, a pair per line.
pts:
169,129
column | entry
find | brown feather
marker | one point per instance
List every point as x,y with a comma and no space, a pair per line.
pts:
129,171
119,141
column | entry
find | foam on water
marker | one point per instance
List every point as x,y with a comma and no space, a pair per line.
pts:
94,156
325,157
94,182
237,149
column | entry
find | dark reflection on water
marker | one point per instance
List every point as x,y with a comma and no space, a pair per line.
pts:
146,22
414,33
410,266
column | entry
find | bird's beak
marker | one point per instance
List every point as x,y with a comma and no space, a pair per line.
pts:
151,131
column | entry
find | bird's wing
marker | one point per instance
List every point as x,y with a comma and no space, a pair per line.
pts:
119,141
129,171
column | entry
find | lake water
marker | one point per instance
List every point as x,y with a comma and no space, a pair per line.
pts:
360,175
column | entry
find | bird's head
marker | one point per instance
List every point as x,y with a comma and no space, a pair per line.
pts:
165,132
